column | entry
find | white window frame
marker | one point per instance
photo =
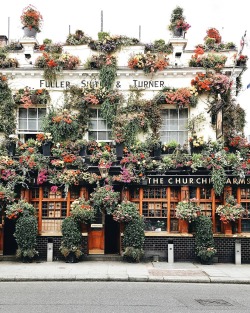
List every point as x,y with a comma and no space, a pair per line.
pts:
99,118
179,128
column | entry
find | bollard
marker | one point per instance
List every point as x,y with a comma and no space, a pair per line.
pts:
237,252
171,251
50,250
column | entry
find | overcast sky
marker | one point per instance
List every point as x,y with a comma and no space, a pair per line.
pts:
231,18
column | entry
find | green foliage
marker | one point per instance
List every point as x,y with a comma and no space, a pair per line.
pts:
134,234
25,234
104,199
132,254
218,178
19,209
126,212
81,210
71,237
204,241
137,117
62,125
7,108
187,210
107,76
102,35
79,38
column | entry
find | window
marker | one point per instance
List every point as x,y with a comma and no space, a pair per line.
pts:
174,123
30,120
157,205
53,207
245,202
98,129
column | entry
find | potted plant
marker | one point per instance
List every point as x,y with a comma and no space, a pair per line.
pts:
133,240
25,234
11,144
231,211
104,198
242,60
62,124
31,20
187,211
169,147
71,244
177,22
18,209
82,211
204,241
6,193
125,212
148,62
25,228
45,140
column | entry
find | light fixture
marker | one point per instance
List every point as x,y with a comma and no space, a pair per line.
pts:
104,167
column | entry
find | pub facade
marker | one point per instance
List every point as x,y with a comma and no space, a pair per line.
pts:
170,102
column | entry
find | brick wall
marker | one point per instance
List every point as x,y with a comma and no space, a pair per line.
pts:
184,248
42,247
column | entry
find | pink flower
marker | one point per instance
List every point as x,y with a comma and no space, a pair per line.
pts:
53,188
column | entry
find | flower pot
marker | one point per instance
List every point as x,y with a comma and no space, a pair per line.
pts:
11,147
183,226
157,151
177,32
46,148
29,32
207,261
227,228
119,150
82,151
71,258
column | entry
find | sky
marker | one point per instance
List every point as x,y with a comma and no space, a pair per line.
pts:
125,17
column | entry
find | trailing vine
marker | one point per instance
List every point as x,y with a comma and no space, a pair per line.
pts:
107,76
7,107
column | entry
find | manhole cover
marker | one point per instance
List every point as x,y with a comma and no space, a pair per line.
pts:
213,302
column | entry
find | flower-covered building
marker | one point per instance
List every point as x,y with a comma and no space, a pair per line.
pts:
100,123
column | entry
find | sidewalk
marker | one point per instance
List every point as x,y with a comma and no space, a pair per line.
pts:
122,271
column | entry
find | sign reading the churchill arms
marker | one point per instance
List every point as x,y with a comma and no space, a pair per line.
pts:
193,180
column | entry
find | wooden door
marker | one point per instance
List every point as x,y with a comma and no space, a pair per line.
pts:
96,241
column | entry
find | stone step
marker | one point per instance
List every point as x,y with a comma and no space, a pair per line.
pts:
8,258
103,257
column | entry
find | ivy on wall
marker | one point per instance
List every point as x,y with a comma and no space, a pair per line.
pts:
7,107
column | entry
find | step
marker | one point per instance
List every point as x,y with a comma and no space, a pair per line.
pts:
8,258
103,257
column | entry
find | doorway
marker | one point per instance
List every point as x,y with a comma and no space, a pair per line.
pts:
112,235
9,242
